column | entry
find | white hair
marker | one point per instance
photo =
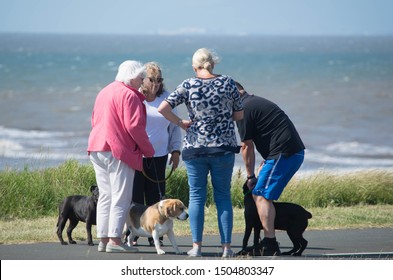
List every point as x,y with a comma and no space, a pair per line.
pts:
204,59
129,70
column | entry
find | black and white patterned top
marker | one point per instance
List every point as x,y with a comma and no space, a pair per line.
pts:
210,104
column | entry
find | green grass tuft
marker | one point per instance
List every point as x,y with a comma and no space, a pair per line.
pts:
324,189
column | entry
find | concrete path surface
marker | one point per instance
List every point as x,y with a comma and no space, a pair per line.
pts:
325,244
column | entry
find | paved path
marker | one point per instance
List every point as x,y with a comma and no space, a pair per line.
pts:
331,244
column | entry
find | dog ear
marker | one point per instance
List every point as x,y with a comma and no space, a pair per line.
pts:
92,188
171,208
162,208
180,204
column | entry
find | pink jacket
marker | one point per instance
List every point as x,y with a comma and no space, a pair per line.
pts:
119,125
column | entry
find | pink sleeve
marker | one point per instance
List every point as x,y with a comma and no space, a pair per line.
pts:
135,122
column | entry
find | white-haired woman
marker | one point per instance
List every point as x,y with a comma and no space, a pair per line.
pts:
210,144
117,142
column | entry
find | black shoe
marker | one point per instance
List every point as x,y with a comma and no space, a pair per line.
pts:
269,247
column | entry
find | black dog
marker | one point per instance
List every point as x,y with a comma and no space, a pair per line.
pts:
290,217
77,208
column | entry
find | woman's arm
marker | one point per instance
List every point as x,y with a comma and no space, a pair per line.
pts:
166,110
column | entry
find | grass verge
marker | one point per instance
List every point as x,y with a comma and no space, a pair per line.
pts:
29,200
44,229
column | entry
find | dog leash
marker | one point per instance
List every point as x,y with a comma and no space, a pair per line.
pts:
155,170
158,181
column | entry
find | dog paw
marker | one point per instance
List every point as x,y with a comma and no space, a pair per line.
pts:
90,244
64,243
72,242
243,252
179,253
160,252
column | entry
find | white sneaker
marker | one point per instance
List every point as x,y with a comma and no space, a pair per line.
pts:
101,247
122,248
195,252
228,253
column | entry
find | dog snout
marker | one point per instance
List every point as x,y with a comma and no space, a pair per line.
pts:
183,216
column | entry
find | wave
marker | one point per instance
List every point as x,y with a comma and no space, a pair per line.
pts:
18,146
342,156
360,149
35,144
352,154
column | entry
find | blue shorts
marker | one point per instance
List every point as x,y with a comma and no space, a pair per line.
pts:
275,175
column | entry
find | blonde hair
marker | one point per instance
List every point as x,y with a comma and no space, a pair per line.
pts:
129,70
204,59
154,69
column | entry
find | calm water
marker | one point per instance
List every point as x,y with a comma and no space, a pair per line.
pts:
338,91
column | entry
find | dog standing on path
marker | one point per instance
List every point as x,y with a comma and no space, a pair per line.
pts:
290,217
155,221
78,208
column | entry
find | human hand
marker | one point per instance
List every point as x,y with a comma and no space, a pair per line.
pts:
174,160
184,124
251,182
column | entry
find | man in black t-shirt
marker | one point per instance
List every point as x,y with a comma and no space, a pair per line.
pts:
274,136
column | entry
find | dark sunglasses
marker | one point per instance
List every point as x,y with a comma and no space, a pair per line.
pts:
152,80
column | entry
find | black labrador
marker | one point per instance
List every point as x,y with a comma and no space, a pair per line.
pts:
78,208
290,217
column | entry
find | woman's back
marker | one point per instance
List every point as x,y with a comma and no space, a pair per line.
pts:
210,104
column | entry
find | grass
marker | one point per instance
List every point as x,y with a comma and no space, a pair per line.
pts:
324,189
29,200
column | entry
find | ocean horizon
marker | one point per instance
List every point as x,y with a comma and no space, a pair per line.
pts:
338,90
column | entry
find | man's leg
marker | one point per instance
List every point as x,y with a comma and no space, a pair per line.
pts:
263,197
267,215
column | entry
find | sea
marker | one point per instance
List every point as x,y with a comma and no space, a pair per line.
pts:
338,91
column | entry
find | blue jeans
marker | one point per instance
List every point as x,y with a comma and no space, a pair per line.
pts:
220,168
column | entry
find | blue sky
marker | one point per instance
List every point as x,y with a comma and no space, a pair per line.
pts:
240,17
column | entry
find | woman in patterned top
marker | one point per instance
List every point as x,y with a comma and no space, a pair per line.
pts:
210,144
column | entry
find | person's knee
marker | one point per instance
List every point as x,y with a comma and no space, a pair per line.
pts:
263,205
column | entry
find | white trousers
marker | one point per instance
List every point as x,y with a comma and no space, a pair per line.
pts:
115,181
